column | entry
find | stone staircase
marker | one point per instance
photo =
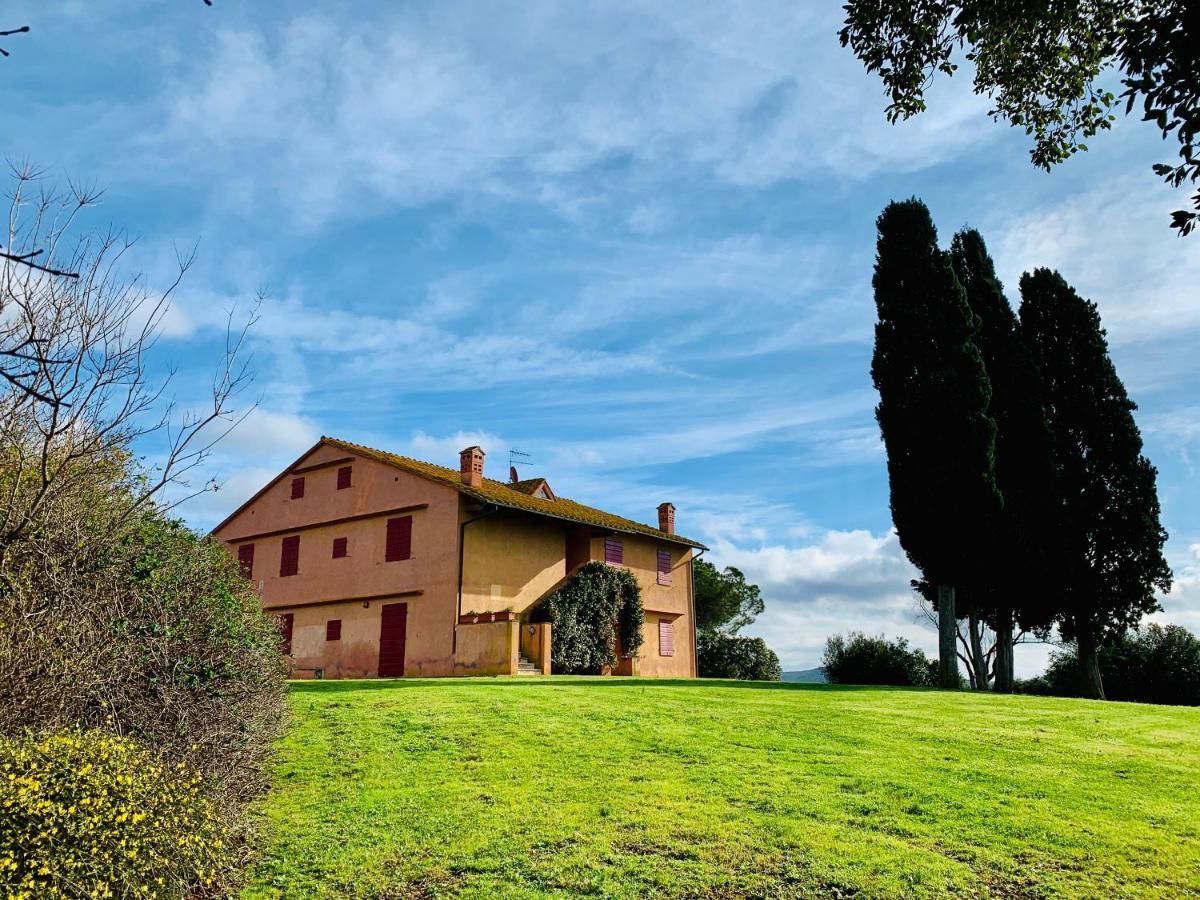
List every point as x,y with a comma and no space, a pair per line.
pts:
525,666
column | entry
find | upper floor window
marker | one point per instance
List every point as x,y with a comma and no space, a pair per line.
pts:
333,630
343,481
664,567
289,556
340,546
297,488
399,539
614,552
246,558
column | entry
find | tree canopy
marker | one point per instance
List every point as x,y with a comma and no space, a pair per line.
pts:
1111,546
725,601
1042,64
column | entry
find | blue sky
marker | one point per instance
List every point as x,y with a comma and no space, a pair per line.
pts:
632,239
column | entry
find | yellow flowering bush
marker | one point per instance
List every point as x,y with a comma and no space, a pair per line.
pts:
92,814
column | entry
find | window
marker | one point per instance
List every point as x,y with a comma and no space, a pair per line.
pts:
344,477
333,630
289,557
339,547
399,539
664,567
285,633
297,488
666,638
246,558
614,552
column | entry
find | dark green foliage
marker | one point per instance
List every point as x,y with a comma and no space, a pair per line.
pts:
1150,664
721,655
859,659
933,401
1111,560
724,600
1039,63
598,605
1019,583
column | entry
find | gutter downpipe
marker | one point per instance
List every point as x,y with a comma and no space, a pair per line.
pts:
462,542
692,590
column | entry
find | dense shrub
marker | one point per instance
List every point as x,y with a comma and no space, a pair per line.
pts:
859,659
727,656
152,632
92,814
597,605
1151,664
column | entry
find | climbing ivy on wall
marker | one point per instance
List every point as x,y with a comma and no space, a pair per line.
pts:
597,603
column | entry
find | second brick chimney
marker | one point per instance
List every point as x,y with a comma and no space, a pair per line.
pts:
666,517
470,466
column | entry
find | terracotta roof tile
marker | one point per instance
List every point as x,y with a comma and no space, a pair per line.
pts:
510,496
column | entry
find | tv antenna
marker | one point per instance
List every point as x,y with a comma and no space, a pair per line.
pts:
517,458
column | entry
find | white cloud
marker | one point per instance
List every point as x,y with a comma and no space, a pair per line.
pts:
270,434
519,100
1112,244
444,450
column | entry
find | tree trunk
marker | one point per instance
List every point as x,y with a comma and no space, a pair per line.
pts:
1089,663
947,634
978,660
1004,652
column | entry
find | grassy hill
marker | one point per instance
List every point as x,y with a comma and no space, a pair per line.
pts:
629,788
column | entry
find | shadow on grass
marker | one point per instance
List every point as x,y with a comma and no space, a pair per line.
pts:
597,681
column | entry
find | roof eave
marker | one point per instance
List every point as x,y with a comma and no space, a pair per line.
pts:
659,535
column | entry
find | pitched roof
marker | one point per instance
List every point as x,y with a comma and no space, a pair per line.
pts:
512,496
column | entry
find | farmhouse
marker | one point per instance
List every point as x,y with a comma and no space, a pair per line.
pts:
382,565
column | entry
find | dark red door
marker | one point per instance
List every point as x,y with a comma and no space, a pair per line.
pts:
393,622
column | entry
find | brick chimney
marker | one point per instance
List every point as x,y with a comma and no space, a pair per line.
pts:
666,517
470,466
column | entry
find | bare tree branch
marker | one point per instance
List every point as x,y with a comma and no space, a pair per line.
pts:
77,394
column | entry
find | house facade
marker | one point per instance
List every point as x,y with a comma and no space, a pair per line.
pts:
382,565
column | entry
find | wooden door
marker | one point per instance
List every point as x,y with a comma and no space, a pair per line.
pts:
393,622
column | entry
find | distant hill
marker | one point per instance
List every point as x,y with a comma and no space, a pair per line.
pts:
806,676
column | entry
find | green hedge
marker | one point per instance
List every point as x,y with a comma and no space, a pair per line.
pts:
598,603
92,814
728,656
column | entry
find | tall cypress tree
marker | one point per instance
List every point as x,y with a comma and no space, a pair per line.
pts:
932,412
1112,540
1019,583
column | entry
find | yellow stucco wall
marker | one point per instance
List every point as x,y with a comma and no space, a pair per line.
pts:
673,602
487,648
511,561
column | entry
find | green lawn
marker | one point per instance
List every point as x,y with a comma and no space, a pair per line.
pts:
629,788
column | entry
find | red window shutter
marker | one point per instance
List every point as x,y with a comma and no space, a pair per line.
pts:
399,539
339,547
297,488
285,633
344,477
664,567
666,638
614,552
289,556
333,630
246,558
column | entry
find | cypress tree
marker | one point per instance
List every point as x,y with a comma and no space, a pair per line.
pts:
1111,549
932,412
1019,583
